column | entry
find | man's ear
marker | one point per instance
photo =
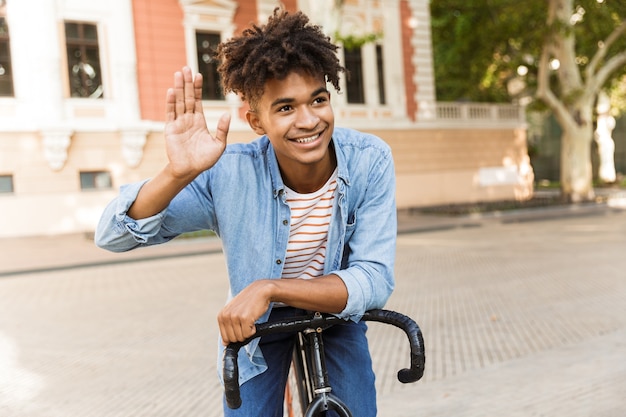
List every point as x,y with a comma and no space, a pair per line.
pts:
255,123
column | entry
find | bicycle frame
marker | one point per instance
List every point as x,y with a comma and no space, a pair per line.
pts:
300,377
310,358
313,386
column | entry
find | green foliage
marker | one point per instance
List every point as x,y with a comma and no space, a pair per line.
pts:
537,106
618,94
477,48
353,42
479,45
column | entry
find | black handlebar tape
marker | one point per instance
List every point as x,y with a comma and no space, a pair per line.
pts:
231,376
416,341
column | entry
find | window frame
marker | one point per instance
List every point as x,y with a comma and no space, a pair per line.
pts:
85,45
215,18
89,180
380,74
355,82
211,79
11,184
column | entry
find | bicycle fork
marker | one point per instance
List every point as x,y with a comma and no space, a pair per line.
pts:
323,398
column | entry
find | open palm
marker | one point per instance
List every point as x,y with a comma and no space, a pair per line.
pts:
191,148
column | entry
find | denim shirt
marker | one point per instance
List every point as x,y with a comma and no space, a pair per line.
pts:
242,199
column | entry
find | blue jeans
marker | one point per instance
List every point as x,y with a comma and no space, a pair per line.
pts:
348,363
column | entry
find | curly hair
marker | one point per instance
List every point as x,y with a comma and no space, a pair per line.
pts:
287,43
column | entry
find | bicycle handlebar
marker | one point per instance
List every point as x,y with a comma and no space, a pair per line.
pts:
408,325
416,341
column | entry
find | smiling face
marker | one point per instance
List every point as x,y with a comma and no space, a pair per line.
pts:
296,115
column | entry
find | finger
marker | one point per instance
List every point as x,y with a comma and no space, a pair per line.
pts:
190,99
243,331
178,94
234,332
227,336
223,126
197,87
225,333
170,105
249,331
228,325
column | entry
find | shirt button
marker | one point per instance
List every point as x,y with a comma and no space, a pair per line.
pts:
278,262
285,222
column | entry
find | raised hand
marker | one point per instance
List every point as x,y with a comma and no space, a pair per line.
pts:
191,148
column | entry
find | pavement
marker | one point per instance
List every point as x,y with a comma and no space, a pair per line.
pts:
522,311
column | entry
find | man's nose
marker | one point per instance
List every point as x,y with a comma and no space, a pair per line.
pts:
307,118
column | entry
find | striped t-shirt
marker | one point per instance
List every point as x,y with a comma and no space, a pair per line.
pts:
310,219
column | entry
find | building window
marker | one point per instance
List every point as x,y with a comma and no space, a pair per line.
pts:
381,74
6,184
95,180
354,85
206,43
6,78
83,60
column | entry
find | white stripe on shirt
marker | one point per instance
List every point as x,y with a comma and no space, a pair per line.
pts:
310,219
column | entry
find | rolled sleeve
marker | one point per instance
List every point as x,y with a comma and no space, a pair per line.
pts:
357,295
365,291
118,232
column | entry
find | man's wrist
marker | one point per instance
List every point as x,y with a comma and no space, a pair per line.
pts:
179,178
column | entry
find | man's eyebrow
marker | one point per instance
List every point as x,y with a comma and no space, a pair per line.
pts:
287,100
319,91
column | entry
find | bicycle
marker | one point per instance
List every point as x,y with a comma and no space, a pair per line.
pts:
311,380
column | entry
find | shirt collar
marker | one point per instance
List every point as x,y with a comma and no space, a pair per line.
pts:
277,181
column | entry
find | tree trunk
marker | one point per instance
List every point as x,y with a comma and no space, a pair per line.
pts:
576,171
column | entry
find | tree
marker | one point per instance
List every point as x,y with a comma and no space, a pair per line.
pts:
479,45
578,86
561,52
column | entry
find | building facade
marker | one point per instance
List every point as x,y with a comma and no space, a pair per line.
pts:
82,102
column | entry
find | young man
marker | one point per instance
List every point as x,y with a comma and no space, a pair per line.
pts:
306,213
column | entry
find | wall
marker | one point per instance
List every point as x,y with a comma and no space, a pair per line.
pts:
445,166
433,166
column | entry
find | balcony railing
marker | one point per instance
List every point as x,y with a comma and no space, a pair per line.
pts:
473,113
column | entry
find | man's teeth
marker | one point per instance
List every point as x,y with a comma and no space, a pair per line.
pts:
307,140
